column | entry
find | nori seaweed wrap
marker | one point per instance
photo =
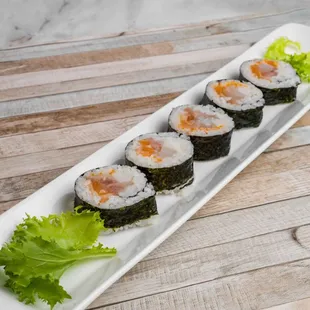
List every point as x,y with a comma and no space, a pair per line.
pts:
121,194
277,80
242,101
209,128
165,158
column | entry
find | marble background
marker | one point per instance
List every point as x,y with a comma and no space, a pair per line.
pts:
28,22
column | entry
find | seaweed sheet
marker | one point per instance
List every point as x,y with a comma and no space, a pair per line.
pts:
211,147
276,95
242,119
169,178
115,218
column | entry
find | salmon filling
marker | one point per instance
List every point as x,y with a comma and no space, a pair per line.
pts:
154,149
106,186
230,90
191,121
265,69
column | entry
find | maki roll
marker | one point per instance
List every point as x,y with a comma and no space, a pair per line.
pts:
166,159
209,128
121,194
277,79
240,100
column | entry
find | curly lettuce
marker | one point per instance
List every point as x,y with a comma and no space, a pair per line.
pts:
41,250
300,61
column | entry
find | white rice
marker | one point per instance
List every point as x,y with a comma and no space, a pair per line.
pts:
177,190
221,119
179,143
139,190
141,223
253,96
285,78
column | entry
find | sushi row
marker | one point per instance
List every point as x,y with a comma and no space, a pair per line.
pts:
125,194
164,162
262,82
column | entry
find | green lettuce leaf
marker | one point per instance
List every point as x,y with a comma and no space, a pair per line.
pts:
300,61
41,250
69,230
46,289
37,257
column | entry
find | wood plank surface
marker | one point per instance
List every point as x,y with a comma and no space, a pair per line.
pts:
66,137
6,205
304,121
231,226
95,96
106,81
235,292
41,83
295,305
249,246
84,115
296,136
119,67
118,54
85,58
201,265
43,161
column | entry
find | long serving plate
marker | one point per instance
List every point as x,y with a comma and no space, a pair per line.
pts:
87,281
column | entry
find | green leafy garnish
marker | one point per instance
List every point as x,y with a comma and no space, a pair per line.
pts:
299,61
41,250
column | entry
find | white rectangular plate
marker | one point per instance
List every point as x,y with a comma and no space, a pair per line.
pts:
87,281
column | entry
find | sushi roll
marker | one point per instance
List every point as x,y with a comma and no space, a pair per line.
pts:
166,159
240,100
277,79
209,128
121,194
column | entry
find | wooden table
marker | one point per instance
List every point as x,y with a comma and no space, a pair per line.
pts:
249,247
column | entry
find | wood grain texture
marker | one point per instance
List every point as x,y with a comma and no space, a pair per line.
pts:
95,96
84,115
22,186
303,304
125,53
44,83
107,81
4,206
66,137
238,225
302,236
296,136
85,58
95,56
204,264
43,161
249,290
304,121
118,67
268,189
